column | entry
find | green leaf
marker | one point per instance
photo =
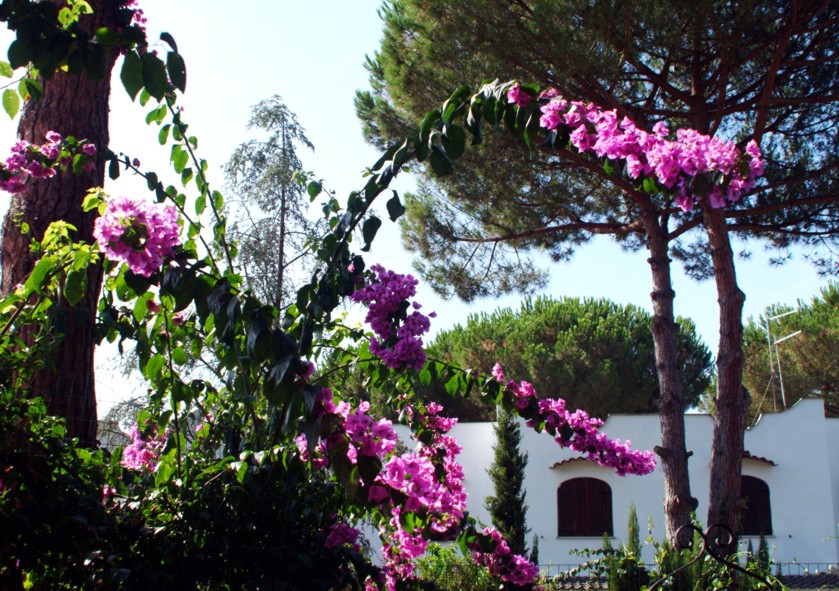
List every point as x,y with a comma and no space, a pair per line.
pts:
440,164
179,158
75,286
113,169
177,70
258,342
141,306
178,355
19,54
427,125
454,141
154,366
368,231
91,201
275,378
170,40
40,273
163,135
131,74
218,200
151,181
489,110
32,88
200,204
6,70
154,76
649,186
105,36
78,163
313,189
422,151
11,102
186,176
395,209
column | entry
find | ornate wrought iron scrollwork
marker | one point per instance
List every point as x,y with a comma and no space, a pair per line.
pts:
716,537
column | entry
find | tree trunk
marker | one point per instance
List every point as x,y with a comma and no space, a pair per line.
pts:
72,105
726,504
281,254
678,502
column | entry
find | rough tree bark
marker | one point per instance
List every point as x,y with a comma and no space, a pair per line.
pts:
72,105
678,501
726,504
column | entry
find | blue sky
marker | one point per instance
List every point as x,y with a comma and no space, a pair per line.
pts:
312,53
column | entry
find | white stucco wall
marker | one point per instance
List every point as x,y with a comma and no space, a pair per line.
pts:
803,485
832,428
800,486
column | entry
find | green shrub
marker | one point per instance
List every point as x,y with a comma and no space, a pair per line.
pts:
448,570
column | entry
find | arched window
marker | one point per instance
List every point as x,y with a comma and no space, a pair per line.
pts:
584,508
757,518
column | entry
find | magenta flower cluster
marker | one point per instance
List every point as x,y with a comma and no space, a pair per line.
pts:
138,233
30,161
431,481
427,481
576,430
501,562
362,434
398,339
676,164
142,454
342,535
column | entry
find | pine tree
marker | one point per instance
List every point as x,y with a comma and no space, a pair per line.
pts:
759,70
507,507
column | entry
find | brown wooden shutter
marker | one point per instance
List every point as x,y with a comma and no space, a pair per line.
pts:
584,508
757,518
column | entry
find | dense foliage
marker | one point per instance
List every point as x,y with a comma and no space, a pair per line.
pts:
599,354
741,70
443,567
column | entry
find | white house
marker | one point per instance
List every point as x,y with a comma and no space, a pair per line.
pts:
791,474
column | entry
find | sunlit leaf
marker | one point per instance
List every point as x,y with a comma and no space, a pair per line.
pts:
131,74
11,102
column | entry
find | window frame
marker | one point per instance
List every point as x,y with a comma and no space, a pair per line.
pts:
758,499
584,508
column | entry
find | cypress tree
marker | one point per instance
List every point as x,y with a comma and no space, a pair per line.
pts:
507,507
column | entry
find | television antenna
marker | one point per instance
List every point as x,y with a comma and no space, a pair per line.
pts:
773,343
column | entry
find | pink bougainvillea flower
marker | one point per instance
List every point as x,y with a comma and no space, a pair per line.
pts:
672,163
30,161
340,535
397,342
142,454
518,96
138,233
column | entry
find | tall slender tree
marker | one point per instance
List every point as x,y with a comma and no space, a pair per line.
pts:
507,507
271,227
764,70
